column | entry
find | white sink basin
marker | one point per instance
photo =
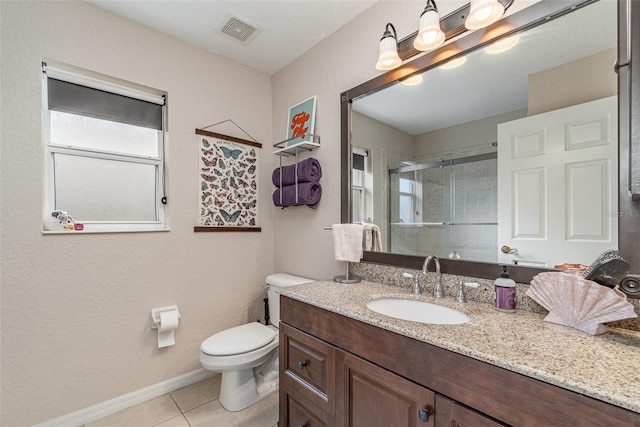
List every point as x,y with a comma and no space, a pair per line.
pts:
418,311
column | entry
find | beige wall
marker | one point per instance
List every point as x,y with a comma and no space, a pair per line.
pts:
381,139
75,308
583,80
478,132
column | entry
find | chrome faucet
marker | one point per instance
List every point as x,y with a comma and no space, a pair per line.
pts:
438,291
460,297
416,282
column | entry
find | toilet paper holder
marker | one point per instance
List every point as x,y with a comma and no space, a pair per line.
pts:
155,314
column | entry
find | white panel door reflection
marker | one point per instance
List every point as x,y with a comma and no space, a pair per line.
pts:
557,185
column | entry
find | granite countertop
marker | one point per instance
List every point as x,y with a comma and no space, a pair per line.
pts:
603,366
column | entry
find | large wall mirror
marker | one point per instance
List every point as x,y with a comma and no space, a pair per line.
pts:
501,147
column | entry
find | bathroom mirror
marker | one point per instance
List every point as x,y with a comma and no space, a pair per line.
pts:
427,159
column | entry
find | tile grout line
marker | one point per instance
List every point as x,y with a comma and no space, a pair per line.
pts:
182,413
175,416
176,403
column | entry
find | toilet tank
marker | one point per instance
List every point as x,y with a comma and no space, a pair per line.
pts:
274,284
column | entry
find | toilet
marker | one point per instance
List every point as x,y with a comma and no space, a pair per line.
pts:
247,355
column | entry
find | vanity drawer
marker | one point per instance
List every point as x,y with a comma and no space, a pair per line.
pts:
300,415
308,366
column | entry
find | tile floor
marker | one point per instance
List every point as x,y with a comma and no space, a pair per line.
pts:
196,405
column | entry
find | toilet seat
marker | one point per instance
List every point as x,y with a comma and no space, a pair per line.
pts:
238,340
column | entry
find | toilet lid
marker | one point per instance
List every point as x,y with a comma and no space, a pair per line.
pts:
239,339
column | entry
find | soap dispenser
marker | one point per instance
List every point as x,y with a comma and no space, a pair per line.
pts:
505,289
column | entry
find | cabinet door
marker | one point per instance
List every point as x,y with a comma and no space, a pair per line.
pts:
371,396
452,414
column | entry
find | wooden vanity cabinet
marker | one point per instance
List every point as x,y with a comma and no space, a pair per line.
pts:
337,371
321,385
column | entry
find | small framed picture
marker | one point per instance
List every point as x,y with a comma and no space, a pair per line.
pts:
302,118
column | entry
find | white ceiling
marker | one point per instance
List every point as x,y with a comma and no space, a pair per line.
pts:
289,27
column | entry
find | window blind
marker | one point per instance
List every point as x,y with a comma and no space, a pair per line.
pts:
358,162
73,98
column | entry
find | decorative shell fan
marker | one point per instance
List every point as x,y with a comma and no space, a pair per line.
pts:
579,303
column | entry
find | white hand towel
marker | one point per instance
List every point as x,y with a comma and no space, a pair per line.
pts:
367,237
347,242
372,239
376,237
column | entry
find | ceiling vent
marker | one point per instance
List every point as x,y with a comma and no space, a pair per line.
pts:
239,29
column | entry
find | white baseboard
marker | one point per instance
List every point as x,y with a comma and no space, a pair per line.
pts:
112,406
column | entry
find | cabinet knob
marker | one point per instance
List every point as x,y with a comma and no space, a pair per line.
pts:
302,364
424,414
304,425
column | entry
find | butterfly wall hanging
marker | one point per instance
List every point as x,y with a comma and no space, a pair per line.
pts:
227,202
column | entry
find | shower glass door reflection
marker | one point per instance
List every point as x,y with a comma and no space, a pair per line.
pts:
445,207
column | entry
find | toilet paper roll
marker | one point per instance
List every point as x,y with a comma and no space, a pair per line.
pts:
168,323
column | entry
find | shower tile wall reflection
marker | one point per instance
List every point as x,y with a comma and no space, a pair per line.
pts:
475,213
476,192
476,242
441,209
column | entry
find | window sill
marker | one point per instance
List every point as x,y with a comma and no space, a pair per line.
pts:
44,232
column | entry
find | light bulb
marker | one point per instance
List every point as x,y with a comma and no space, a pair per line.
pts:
483,13
430,35
388,58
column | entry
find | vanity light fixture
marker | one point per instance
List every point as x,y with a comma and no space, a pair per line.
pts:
483,13
430,35
434,31
388,59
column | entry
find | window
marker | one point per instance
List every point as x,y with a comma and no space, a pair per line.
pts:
407,200
361,185
410,198
357,188
104,151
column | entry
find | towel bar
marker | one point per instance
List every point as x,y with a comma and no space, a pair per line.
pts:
347,278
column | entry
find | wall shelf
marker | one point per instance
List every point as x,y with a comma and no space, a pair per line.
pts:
284,150
287,149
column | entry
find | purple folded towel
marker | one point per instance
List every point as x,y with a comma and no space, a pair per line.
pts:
309,170
309,194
